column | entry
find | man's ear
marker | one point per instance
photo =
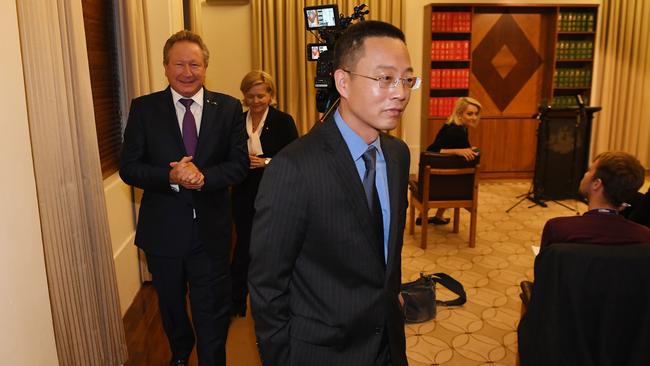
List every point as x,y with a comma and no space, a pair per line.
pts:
597,183
341,82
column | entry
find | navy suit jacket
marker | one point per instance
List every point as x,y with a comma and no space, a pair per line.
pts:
152,139
320,291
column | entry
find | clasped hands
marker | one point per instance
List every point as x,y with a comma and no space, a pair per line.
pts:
186,174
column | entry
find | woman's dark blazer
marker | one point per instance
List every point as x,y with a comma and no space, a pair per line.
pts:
450,136
278,131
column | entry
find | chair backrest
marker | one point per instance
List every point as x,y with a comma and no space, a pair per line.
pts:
590,305
453,179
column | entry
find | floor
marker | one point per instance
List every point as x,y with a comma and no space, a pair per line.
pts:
481,332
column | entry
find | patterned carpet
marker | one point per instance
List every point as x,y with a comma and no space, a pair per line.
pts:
484,330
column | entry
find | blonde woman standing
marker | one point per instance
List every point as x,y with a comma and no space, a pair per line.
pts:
269,130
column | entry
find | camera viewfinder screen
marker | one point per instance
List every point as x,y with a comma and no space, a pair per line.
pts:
324,16
314,50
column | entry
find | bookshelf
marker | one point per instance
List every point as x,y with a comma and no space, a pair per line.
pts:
450,58
576,32
512,58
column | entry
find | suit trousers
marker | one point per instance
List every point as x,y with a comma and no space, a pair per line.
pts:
208,281
243,196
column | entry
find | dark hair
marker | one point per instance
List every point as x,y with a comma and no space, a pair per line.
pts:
622,176
349,46
185,36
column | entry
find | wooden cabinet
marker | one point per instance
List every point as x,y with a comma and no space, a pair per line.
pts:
512,59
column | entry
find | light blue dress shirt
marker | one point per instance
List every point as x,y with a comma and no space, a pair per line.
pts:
357,147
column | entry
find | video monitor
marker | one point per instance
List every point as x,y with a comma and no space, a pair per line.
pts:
321,16
314,50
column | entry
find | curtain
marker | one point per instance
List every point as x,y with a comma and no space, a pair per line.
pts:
136,78
72,206
196,21
280,43
622,79
135,58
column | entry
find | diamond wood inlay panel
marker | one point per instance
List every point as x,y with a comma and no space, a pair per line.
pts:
504,61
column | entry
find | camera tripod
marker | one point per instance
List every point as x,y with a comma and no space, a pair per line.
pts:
537,201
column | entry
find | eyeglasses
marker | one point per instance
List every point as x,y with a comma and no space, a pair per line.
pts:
387,81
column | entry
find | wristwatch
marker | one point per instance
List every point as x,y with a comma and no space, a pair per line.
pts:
267,161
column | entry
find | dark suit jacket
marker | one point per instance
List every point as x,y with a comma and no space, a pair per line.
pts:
152,139
590,306
320,292
450,136
278,131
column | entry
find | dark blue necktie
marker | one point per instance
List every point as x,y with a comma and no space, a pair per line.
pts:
190,137
370,160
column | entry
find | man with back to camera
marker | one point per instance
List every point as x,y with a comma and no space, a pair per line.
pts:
325,266
612,179
184,146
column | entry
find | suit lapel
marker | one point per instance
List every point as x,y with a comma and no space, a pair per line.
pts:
209,120
392,172
346,173
266,130
169,118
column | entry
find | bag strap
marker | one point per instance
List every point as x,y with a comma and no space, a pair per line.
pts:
453,286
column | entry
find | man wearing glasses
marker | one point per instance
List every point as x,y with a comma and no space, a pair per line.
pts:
325,253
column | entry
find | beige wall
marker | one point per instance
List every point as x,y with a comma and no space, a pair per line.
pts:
414,32
121,222
164,18
26,331
227,33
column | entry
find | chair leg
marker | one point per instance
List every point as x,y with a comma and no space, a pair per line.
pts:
424,228
411,223
472,227
456,219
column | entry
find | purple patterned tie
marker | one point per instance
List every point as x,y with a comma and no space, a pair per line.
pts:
190,137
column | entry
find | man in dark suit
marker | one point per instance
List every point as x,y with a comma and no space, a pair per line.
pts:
325,252
184,146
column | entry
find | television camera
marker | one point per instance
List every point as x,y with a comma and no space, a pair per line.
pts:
329,25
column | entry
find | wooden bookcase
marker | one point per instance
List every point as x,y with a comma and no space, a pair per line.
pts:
512,58
576,33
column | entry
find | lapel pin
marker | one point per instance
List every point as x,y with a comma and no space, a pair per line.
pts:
211,101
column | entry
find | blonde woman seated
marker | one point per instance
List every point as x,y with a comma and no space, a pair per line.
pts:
269,130
453,139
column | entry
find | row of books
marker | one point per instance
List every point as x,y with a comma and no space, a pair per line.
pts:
572,78
450,50
449,78
561,101
451,22
577,22
568,50
441,106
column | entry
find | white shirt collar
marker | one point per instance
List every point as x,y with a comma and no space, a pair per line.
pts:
197,98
